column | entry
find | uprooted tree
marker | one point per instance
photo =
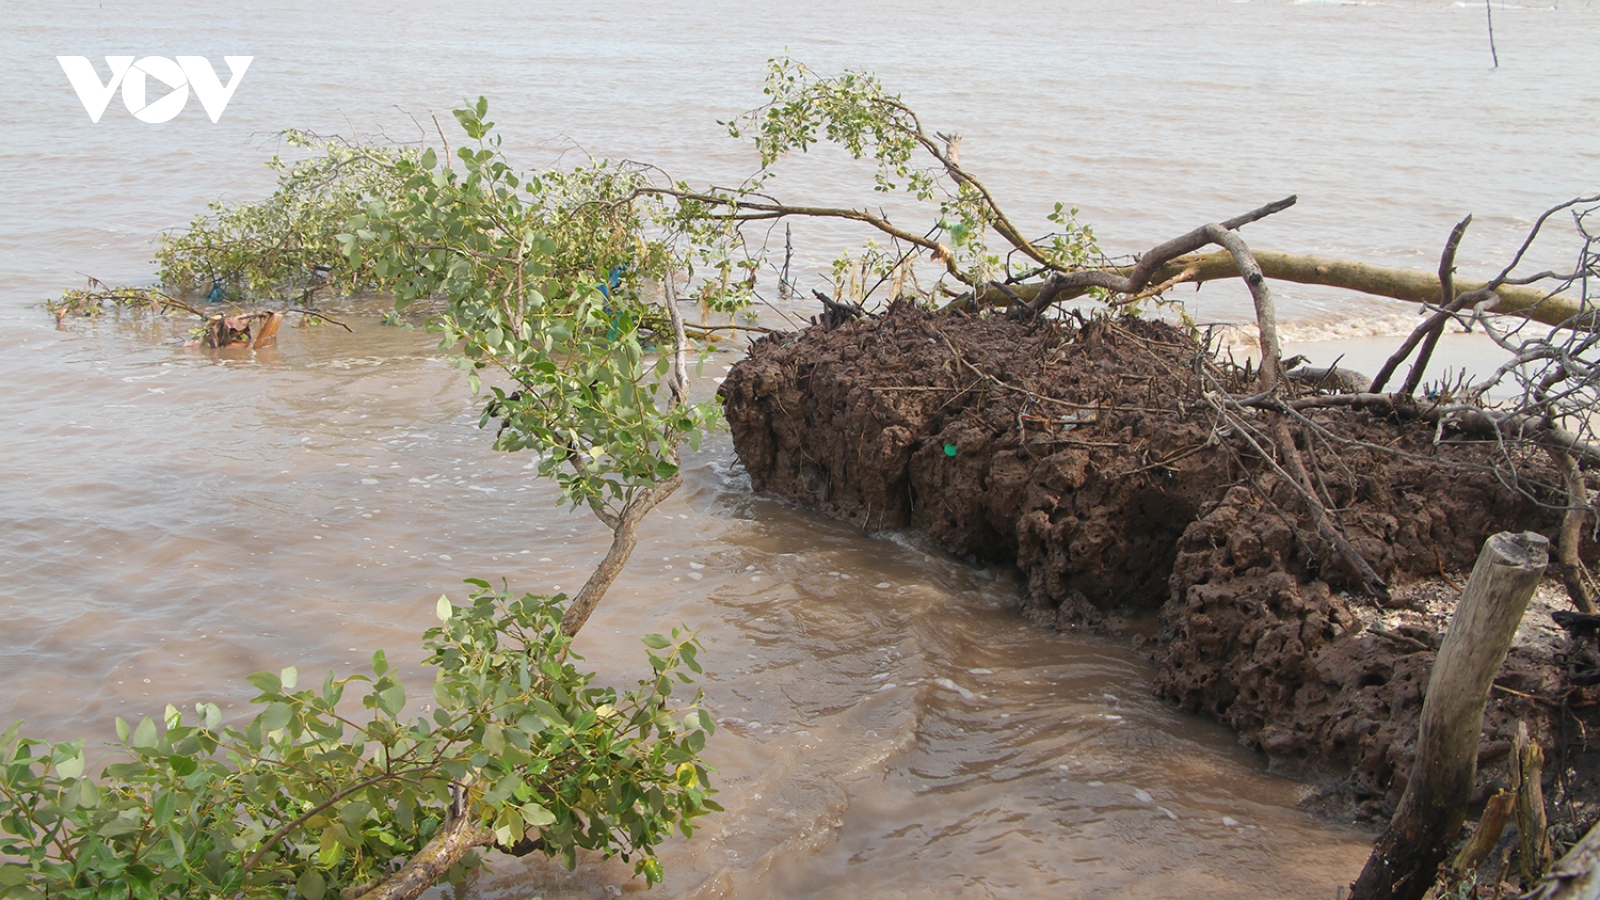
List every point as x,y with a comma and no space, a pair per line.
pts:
555,283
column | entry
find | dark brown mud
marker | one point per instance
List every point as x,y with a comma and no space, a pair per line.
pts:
1086,454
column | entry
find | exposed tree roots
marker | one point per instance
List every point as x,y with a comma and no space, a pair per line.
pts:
1126,474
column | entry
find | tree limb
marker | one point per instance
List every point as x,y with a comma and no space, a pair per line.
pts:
1305,268
1266,314
1569,540
455,839
1448,303
1063,286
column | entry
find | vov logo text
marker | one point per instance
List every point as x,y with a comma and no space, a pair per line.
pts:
134,77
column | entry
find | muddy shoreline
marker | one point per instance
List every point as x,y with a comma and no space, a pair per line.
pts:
1083,454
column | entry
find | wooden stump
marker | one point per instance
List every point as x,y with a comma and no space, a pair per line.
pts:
1406,858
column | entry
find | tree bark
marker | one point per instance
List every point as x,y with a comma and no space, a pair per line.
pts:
1407,855
623,540
1305,268
1527,779
459,836
1574,574
1484,838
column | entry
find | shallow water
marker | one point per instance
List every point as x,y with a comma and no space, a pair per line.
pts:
171,521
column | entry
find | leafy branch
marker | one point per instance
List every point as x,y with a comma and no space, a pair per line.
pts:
522,752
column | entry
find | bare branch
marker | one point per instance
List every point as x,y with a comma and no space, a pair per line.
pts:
1431,329
1058,287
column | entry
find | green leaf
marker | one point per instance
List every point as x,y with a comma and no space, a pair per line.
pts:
494,739
276,716
311,885
392,699
144,736
537,816
266,682
120,827
72,767
656,641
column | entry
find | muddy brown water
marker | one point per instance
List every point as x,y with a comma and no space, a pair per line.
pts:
890,726
171,522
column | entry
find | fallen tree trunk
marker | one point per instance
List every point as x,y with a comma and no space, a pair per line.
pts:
1407,855
1304,268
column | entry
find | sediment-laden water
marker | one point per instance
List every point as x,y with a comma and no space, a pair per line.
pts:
171,521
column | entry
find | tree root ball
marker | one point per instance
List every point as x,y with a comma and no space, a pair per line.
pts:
1085,454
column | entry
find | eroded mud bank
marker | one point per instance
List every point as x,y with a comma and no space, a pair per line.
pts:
1086,455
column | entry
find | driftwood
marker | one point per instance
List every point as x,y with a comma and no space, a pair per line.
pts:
1406,858
253,329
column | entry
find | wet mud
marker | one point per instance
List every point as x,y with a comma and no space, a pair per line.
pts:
1085,453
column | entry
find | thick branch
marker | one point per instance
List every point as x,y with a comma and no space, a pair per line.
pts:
1305,268
1133,280
1266,314
623,540
1406,857
458,837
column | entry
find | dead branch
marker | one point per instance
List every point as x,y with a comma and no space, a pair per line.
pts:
1266,314
1431,329
1471,420
1062,286
1549,307
1568,542
1485,836
1298,480
1527,780
1406,857
1447,301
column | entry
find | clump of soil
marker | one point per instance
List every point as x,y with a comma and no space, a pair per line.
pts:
1087,454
